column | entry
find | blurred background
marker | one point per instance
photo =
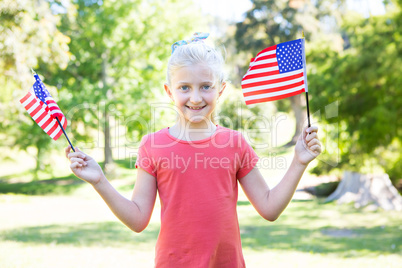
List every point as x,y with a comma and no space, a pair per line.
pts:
104,63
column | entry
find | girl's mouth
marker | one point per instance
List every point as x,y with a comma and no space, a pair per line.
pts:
195,108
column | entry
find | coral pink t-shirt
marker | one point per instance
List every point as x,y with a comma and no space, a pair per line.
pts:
197,186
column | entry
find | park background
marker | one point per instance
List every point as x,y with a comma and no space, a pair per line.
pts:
104,63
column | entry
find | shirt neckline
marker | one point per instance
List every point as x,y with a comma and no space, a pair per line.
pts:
166,131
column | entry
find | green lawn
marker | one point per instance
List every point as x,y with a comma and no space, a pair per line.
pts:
78,230
62,222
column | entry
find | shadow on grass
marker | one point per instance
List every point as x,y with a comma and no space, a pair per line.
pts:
315,227
127,163
99,234
340,241
58,185
343,242
62,185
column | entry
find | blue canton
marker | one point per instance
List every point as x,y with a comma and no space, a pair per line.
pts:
289,56
40,90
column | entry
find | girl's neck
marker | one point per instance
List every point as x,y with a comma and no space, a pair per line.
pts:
192,131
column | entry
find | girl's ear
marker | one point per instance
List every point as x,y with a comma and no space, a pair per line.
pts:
223,86
168,91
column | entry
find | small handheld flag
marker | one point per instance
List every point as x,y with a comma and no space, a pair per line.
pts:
277,72
44,110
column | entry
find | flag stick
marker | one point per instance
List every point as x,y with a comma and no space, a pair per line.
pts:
58,121
65,134
305,81
308,110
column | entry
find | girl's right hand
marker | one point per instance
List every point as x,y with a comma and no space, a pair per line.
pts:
84,166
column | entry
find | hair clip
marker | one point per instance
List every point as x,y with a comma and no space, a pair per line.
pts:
197,37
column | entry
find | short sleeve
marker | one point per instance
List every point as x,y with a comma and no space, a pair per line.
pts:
144,160
249,158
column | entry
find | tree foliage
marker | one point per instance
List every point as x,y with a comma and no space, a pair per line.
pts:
28,36
364,78
271,22
103,61
119,55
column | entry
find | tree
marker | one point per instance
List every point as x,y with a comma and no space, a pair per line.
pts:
28,37
119,55
272,22
375,191
364,77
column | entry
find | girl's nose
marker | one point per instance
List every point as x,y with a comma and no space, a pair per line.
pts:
195,97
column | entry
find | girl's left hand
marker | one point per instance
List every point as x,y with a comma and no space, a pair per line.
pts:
308,146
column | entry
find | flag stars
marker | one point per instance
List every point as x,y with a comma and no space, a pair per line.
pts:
289,56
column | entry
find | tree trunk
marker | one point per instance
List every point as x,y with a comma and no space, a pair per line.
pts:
108,166
375,191
38,166
107,150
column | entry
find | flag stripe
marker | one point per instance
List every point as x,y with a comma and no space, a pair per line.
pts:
54,125
259,75
260,70
29,103
271,69
48,124
58,134
271,48
36,111
276,89
273,94
281,84
248,102
266,53
264,64
25,98
264,59
59,131
276,72
39,117
272,81
44,123
43,109
63,122
32,106
267,76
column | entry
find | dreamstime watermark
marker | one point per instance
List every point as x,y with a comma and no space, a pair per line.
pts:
262,132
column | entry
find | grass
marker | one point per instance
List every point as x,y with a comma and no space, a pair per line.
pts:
56,186
62,222
46,229
313,227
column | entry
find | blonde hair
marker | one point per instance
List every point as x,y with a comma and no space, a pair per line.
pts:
196,53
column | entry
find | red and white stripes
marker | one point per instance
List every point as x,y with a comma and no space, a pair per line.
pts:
42,116
264,82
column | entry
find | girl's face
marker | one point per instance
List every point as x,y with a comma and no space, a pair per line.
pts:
193,92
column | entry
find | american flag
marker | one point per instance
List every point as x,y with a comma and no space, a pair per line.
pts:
43,109
277,72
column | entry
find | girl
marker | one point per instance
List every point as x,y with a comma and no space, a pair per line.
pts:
195,166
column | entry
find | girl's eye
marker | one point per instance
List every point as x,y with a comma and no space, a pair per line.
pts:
206,87
184,88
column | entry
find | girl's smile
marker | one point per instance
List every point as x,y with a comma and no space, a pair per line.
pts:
195,92
196,108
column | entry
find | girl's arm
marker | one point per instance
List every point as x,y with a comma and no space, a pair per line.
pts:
134,213
270,203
